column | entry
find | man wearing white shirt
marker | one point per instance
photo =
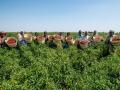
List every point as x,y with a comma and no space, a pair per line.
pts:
21,38
80,35
86,36
108,47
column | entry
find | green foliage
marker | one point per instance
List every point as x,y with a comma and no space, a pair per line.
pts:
37,67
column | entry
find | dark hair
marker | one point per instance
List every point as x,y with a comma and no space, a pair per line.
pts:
60,33
36,33
21,32
79,32
45,32
94,32
68,33
111,32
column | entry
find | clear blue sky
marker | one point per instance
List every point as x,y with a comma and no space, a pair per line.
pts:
59,15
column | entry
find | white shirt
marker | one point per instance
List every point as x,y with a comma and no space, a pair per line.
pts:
20,37
86,37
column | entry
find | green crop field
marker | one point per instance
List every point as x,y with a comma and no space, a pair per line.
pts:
38,67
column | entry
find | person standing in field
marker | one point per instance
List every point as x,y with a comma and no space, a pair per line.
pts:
46,36
35,37
58,39
83,40
36,34
21,38
94,34
61,35
108,46
1,41
80,35
86,36
68,40
108,41
93,42
96,38
3,36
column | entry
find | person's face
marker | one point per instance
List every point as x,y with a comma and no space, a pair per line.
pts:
111,33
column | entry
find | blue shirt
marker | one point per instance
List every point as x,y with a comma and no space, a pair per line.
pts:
81,36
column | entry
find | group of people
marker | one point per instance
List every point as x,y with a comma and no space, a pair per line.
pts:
59,40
